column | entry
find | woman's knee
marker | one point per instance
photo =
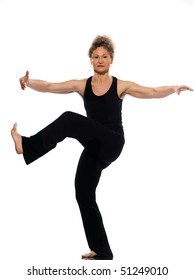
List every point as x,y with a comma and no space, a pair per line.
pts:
83,198
67,114
83,194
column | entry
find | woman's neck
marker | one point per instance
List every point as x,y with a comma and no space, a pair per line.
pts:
101,78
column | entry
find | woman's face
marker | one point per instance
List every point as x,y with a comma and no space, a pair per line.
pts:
101,60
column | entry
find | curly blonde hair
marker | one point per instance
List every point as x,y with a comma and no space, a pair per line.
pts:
102,41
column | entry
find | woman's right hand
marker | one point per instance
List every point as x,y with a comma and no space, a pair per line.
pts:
24,80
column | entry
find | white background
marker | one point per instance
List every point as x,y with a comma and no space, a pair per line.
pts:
146,196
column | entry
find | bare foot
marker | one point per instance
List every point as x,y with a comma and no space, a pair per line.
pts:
89,255
17,139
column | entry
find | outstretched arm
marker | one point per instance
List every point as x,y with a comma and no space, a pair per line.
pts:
138,91
44,86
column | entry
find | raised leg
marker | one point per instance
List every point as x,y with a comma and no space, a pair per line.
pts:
96,138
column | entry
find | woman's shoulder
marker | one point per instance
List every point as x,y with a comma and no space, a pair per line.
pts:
81,85
122,87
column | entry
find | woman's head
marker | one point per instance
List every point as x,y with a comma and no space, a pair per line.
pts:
102,41
101,54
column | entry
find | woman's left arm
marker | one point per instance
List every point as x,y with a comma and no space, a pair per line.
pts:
138,91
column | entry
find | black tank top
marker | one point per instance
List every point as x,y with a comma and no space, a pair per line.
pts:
107,108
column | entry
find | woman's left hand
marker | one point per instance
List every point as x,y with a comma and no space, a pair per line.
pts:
178,89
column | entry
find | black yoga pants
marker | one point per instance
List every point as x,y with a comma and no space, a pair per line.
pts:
101,147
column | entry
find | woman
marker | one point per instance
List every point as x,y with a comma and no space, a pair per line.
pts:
100,133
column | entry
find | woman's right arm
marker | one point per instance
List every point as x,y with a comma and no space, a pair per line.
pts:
44,86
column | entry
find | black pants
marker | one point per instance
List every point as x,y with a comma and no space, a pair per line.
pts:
101,147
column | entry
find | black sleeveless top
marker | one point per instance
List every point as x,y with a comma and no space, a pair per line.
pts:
107,108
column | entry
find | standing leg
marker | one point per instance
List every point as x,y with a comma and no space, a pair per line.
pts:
86,180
